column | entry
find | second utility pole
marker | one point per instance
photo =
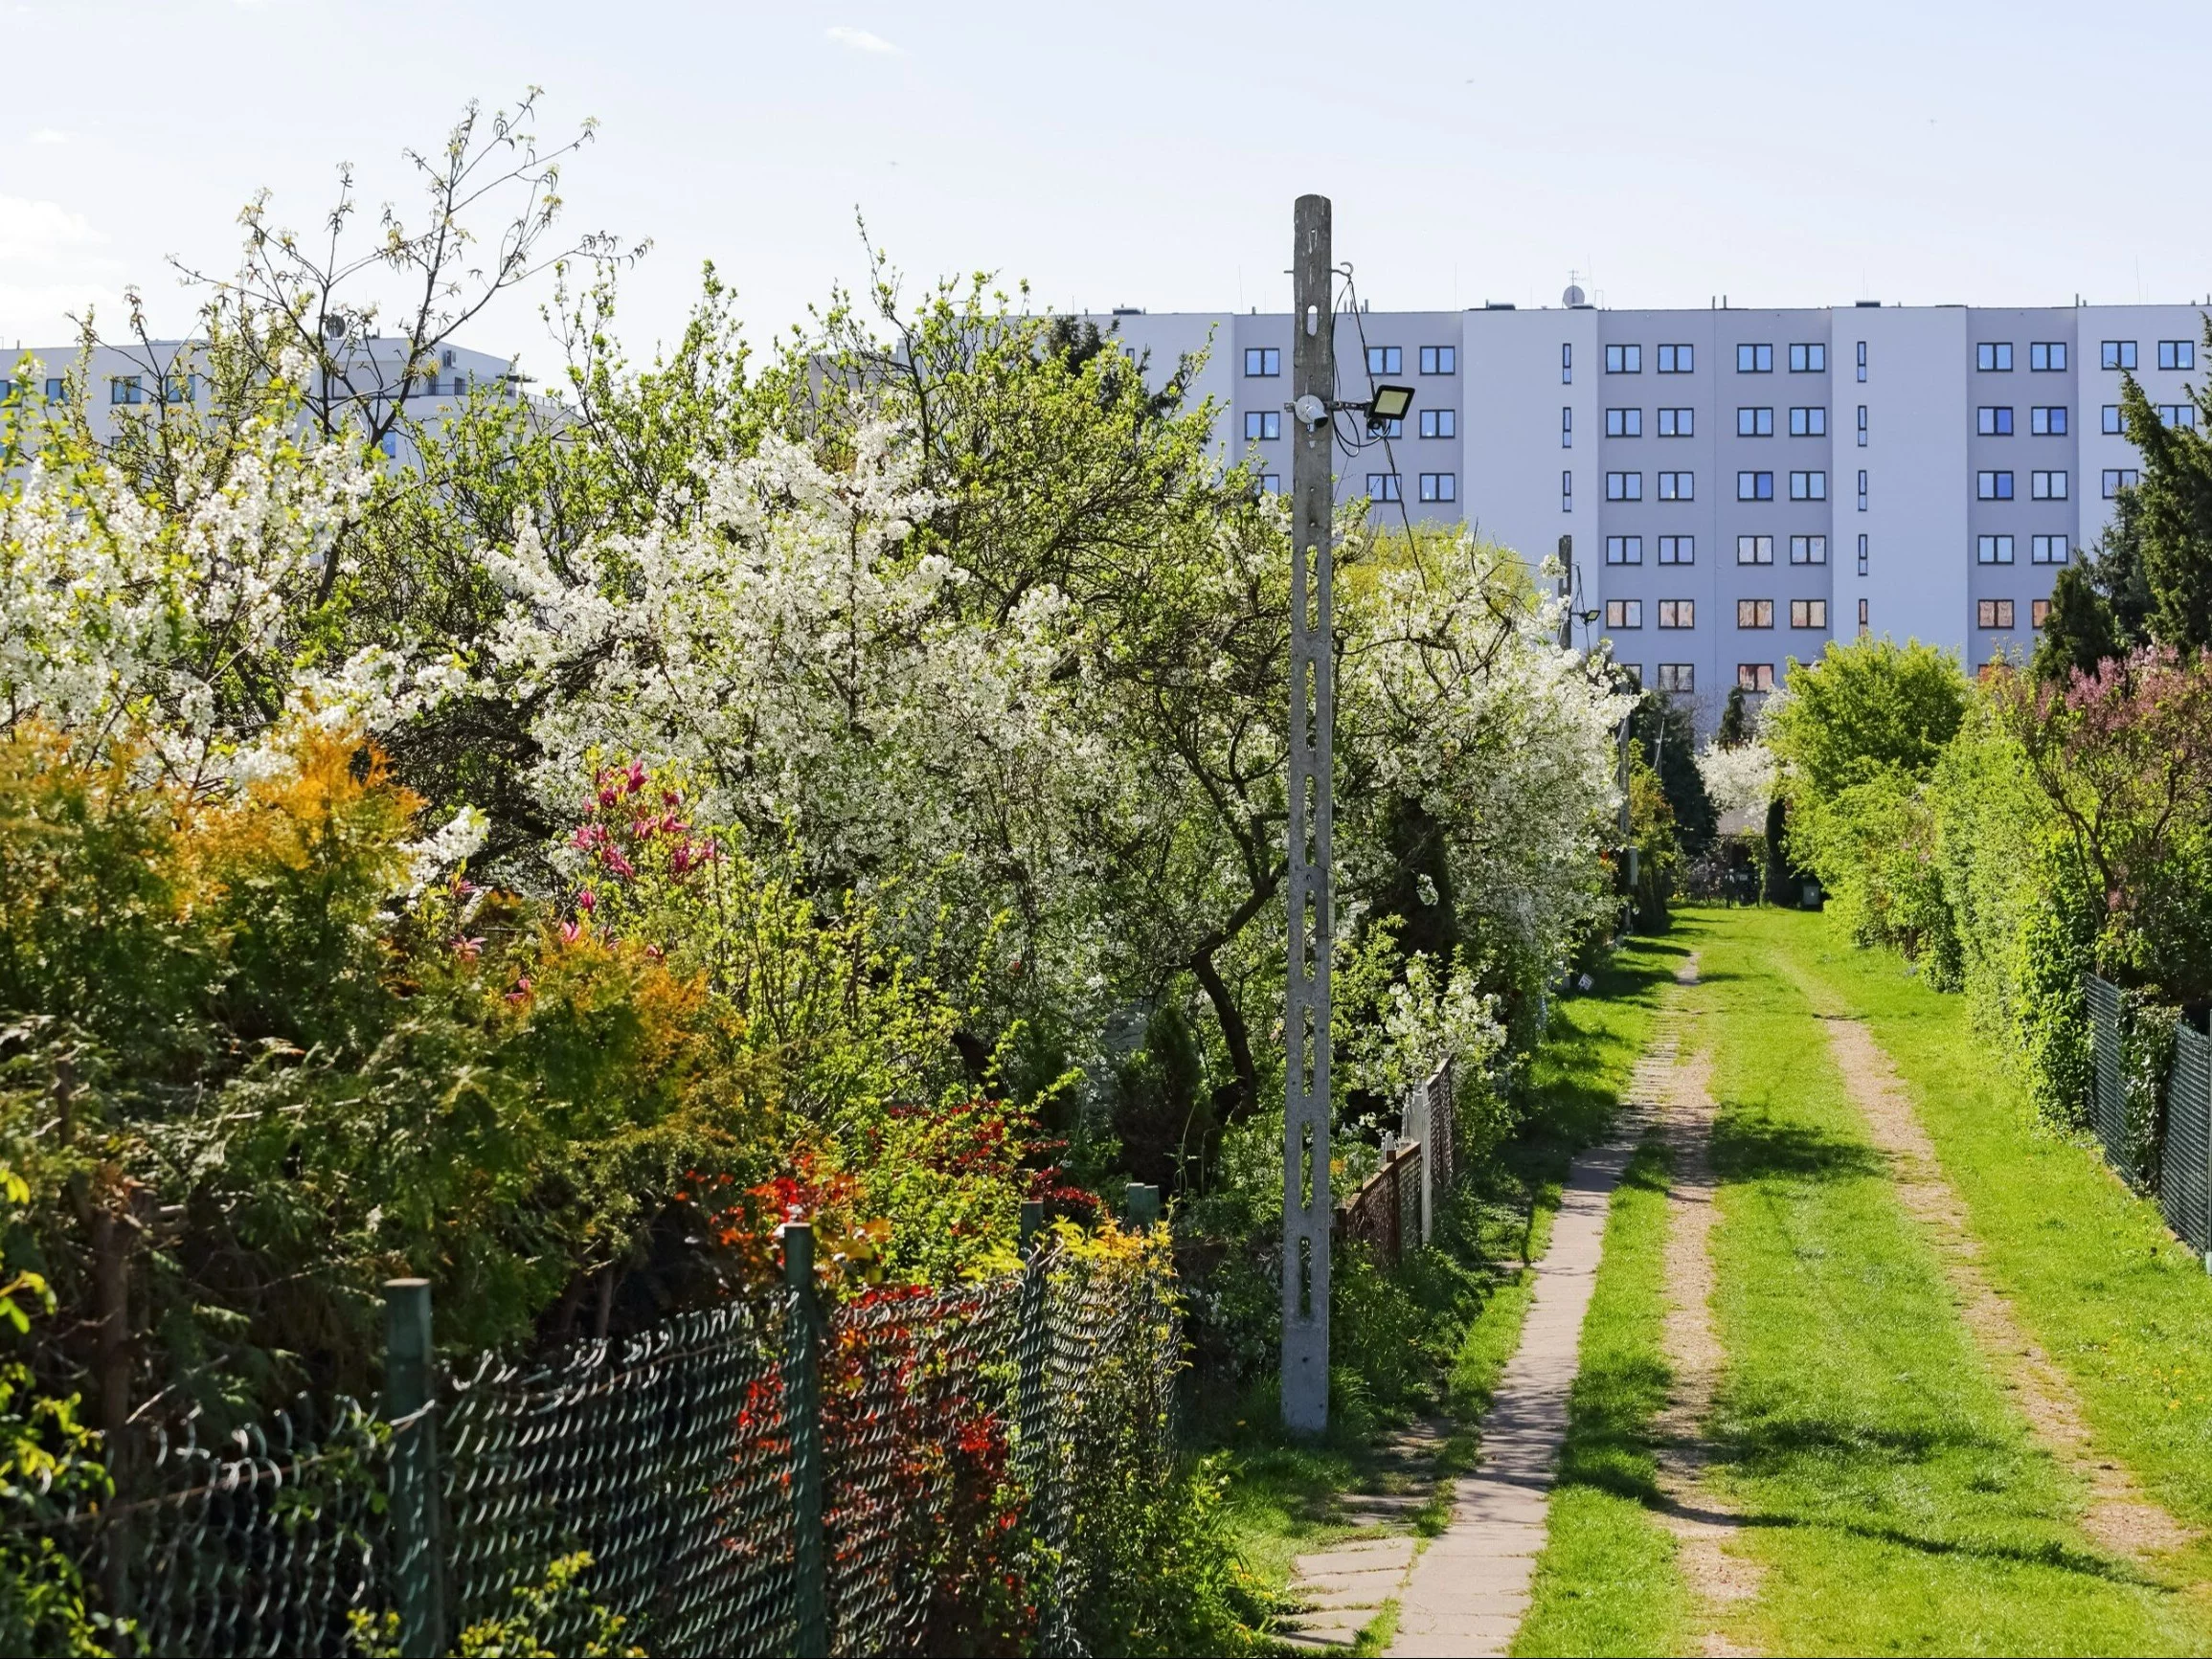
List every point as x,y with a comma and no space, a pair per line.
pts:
1305,1198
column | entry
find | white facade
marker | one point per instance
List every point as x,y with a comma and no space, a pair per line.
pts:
1725,469
118,380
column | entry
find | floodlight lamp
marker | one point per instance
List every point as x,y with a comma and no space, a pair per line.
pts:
1389,403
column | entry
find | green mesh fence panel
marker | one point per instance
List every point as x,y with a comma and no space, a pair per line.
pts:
269,1542
989,1447
2185,1165
666,1456
924,1515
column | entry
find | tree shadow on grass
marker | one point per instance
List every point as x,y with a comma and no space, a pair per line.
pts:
1749,1147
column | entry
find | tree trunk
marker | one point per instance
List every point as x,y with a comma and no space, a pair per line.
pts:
1241,1099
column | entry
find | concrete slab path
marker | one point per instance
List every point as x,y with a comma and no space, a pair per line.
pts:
1469,1590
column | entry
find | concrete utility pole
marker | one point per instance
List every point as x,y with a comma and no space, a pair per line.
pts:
1305,1196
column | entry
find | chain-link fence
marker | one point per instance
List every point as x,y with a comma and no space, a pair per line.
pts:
916,1471
2150,1104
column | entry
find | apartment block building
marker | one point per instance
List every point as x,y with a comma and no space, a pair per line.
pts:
117,381
1739,485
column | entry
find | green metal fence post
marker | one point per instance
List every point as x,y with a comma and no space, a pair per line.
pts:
409,1393
802,1383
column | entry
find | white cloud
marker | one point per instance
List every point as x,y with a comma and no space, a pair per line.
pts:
43,234
861,40
49,135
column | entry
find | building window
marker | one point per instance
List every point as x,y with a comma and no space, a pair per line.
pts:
1677,613
1566,492
1863,361
177,388
1624,613
1755,676
1808,486
1678,422
1439,360
1566,365
123,389
1755,549
1862,556
1862,618
1861,489
2048,421
1993,356
2176,354
1808,613
1624,486
1754,359
1624,550
1385,360
1809,422
1754,423
2047,355
1624,423
2172,414
1624,359
1677,486
2038,613
1992,550
1260,362
2117,354
1261,424
1993,486
1271,482
2048,550
1993,613
1808,550
1995,422
2118,479
57,390
1678,677
1755,486
1809,359
1439,486
1439,423
1567,427
1678,549
1634,673
1385,487
1862,426
1754,613
2109,424
2047,486
1395,427
1676,359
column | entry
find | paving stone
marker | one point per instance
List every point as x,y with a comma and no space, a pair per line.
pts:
1470,1590
1363,1555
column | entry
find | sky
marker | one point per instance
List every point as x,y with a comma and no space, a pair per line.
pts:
1148,153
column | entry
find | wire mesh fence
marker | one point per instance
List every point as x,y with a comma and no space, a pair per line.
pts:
2150,1104
916,1471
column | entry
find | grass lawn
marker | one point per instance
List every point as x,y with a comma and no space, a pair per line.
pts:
1282,1493
2088,1265
1894,1498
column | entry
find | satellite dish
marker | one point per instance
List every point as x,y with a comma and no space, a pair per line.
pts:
1573,296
